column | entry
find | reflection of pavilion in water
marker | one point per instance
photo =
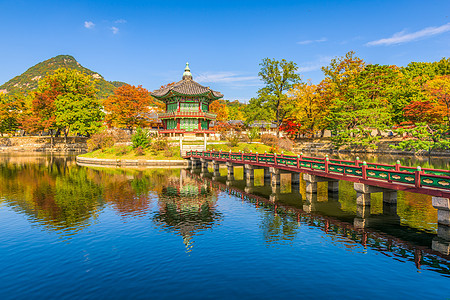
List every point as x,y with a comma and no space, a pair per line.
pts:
381,232
187,207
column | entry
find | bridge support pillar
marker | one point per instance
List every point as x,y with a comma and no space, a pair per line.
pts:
249,172
363,192
204,163
443,207
312,180
275,177
441,243
230,173
194,162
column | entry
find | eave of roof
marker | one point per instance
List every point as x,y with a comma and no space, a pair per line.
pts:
186,87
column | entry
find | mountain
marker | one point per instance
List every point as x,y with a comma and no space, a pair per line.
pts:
28,81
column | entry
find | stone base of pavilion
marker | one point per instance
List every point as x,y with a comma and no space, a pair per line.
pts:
184,133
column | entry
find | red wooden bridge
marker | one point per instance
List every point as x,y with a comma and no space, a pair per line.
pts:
432,182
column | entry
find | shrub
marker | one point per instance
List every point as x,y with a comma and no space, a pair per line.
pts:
253,133
100,140
106,139
269,139
160,144
168,153
244,138
140,139
121,150
233,138
285,144
139,151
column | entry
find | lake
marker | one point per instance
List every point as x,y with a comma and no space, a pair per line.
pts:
72,232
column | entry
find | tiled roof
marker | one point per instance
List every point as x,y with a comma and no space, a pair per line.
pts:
186,86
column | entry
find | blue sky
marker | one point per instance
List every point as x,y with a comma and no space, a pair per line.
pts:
148,42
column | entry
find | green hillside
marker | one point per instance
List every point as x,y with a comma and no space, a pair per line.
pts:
28,81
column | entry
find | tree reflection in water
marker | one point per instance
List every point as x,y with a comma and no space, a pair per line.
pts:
51,191
187,207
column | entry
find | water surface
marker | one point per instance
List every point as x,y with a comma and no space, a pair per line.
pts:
74,233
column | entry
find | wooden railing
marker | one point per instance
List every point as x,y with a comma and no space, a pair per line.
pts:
200,114
396,174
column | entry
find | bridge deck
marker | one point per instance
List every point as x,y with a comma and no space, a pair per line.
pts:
433,182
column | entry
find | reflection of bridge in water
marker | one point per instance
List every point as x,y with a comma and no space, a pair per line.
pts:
367,178
382,232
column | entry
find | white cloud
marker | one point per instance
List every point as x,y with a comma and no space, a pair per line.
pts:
120,21
230,78
89,24
403,37
315,65
306,42
115,30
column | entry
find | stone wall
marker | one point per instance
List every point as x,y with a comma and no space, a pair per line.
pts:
43,144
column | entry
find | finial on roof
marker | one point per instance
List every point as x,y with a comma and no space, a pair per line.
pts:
187,72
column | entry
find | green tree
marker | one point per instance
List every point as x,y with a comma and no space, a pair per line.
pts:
258,109
360,99
278,77
11,107
66,100
423,136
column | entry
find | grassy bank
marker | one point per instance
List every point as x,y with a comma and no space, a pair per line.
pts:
121,152
246,147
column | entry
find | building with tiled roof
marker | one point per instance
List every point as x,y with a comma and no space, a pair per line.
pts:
187,106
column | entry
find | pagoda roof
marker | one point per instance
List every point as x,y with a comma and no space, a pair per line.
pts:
186,87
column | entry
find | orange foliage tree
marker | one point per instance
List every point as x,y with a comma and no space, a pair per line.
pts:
422,111
439,91
129,107
220,108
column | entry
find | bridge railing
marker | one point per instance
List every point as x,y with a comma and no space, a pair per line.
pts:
429,178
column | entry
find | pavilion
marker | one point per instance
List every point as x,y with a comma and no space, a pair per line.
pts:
187,107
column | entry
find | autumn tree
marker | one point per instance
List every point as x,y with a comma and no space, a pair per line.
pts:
11,107
67,101
278,77
220,108
129,107
439,91
308,110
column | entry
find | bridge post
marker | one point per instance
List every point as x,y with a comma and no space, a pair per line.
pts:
195,162
441,243
363,192
443,207
230,175
249,172
204,163
216,168
312,180
275,177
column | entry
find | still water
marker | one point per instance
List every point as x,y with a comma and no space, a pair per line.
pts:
72,232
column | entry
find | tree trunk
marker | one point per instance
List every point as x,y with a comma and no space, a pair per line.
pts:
66,132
